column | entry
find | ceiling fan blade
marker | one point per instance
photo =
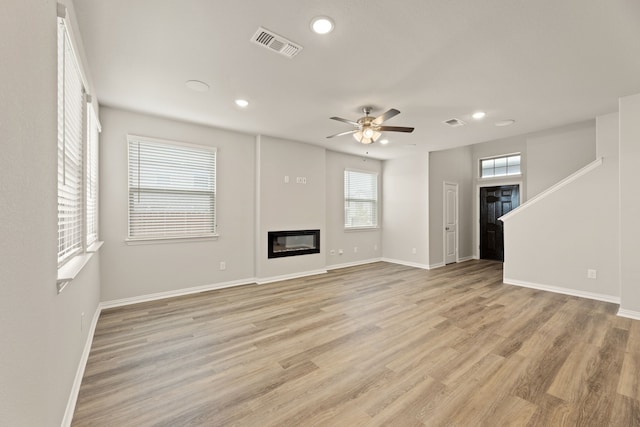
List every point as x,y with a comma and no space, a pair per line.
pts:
340,119
386,116
394,129
343,133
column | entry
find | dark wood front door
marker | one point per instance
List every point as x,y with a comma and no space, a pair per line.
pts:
495,202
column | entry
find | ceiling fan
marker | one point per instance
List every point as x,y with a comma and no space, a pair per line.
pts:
368,129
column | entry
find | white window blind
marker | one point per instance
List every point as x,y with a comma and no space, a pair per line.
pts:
93,130
172,190
70,155
360,199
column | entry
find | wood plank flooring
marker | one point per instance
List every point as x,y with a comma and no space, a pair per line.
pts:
373,345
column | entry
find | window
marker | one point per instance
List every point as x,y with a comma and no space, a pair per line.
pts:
360,199
93,130
78,134
500,166
71,105
172,190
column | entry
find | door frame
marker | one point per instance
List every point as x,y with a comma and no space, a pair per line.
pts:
476,220
444,221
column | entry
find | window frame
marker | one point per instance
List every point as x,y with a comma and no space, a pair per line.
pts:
375,202
150,239
500,157
71,262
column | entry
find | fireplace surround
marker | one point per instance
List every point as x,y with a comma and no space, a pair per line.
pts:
292,243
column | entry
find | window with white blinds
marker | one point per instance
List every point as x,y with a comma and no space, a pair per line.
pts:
360,199
70,153
93,130
172,189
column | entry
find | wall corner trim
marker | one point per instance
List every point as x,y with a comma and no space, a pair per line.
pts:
265,280
565,291
353,264
407,263
532,201
629,314
176,293
82,364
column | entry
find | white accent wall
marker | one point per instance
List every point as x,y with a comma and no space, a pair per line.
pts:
288,206
405,193
552,240
133,270
552,155
42,334
357,246
454,166
630,204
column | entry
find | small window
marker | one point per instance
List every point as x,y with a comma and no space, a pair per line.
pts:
71,103
172,190
91,177
360,199
500,166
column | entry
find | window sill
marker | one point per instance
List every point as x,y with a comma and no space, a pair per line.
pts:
362,229
95,247
162,240
74,266
497,178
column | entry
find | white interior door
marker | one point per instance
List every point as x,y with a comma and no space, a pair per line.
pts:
450,223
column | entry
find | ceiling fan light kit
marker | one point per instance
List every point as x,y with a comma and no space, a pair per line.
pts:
368,129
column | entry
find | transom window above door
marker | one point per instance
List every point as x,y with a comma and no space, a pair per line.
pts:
500,166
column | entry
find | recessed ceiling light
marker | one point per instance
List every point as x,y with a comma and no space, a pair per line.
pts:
197,85
384,141
479,115
502,123
242,103
322,25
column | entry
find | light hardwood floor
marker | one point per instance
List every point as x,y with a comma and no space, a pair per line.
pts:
379,344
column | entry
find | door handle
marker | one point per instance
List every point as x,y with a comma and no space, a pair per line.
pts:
446,228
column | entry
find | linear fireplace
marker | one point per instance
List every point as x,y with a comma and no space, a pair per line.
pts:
293,242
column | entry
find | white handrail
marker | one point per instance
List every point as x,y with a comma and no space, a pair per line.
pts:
555,187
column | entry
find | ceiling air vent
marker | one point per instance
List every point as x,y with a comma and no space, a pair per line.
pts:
454,123
276,43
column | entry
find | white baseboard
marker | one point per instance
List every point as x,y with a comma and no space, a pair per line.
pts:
75,388
466,258
176,293
353,264
407,263
264,280
629,314
436,265
565,291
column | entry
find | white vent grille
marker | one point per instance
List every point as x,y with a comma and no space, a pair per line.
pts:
454,123
272,41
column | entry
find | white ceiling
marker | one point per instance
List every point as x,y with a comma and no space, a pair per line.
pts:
543,63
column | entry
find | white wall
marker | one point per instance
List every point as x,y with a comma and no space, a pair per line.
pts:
135,270
367,242
554,154
40,332
405,194
454,166
289,206
553,240
630,203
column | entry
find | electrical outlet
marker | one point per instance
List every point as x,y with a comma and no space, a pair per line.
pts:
592,274
340,251
375,247
286,179
355,249
332,252
413,250
223,265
